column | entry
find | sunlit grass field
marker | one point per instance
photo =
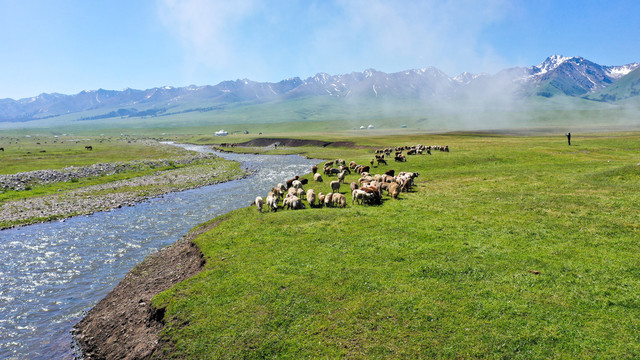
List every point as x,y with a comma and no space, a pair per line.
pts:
509,247
48,152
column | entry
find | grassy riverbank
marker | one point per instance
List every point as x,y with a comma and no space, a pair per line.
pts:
509,247
140,170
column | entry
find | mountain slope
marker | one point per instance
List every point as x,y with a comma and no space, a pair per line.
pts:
557,75
627,87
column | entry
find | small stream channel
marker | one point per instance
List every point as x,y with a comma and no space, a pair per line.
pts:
50,273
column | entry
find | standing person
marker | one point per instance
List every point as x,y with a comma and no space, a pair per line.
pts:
569,138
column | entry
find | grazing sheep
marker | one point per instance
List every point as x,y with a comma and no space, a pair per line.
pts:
328,200
296,184
293,203
276,192
394,190
335,186
259,203
352,165
328,164
382,161
314,169
290,181
339,200
353,186
304,181
390,172
292,191
272,203
376,197
357,196
341,176
317,177
300,193
311,197
321,197
282,187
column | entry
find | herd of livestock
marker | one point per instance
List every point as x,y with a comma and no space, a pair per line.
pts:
368,189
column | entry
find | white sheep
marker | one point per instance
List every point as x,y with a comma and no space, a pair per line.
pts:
311,197
293,202
358,196
335,186
341,176
272,202
328,199
259,203
296,184
317,177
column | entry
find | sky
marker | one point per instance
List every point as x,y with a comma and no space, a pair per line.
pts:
68,46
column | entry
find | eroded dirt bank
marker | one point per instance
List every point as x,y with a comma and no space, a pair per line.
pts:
124,325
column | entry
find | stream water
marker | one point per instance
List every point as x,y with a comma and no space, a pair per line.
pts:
51,273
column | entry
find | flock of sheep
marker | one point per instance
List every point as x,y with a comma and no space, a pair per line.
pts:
368,189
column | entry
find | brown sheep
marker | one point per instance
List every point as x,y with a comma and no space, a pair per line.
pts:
394,190
339,200
288,182
354,186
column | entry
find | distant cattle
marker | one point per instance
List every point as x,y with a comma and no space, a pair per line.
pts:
1,149
89,147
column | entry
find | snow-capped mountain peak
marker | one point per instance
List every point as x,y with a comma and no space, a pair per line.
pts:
551,63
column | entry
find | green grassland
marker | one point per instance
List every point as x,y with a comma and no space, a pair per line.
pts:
48,152
508,247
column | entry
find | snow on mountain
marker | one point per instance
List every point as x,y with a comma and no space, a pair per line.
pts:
466,78
551,63
618,72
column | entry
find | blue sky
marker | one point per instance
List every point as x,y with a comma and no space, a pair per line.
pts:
69,46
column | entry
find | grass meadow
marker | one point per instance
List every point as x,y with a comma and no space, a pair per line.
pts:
509,247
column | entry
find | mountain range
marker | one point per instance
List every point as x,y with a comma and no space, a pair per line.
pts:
555,77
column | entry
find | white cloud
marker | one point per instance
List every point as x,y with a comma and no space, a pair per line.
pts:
445,34
333,36
206,28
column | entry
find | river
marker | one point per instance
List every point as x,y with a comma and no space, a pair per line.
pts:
51,273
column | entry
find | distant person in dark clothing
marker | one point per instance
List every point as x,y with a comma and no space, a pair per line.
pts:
569,138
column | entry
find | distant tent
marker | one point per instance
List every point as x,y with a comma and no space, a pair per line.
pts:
221,133
404,126
362,127
370,127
